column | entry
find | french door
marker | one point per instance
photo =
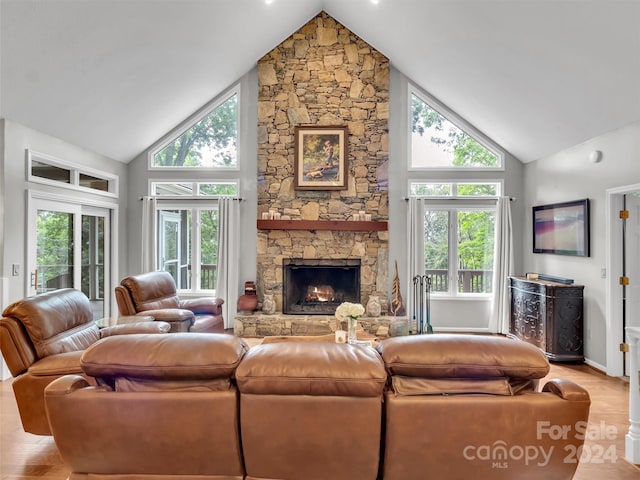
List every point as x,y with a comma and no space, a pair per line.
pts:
69,247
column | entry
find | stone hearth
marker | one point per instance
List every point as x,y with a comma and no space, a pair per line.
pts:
259,324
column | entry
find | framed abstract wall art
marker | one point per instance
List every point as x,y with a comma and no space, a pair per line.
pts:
562,228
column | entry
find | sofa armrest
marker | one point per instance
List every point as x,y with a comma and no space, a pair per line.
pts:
169,314
16,346
140,327
180,319
65,385
567,390
210,305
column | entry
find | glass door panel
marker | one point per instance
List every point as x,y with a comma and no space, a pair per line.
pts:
170,242
94,252
54,251
208,248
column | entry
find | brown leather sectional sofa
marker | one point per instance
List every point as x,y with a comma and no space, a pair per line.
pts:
204,406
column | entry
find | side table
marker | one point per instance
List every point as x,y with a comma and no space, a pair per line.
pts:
112,321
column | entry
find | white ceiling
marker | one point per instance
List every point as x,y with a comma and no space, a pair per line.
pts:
113,76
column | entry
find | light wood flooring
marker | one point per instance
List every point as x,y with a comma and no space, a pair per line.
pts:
26,456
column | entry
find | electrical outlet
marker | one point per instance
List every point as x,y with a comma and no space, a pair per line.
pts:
15,269
603,273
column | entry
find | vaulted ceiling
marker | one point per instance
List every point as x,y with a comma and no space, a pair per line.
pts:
113,76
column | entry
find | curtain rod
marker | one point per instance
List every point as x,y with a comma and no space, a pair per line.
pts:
180,197
406,199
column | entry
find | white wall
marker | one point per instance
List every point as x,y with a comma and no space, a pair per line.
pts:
139,177
18,138
569,175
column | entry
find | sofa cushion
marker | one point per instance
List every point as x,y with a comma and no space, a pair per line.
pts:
152,291
450,386
69,322
462,356
126,384
184,356
312,368
62,364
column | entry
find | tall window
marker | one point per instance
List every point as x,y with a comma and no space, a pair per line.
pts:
437,142
211,141
188,245
187,208
459,235
187,230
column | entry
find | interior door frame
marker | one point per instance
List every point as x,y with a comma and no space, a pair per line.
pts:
112,274
613,292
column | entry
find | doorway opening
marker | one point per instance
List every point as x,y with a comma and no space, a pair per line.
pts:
623,262
69,246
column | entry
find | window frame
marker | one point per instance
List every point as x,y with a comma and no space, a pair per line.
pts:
75,170
153,183
453,205
459,122
195,205
454,187
190,122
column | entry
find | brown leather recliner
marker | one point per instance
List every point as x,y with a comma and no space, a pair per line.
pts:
467,406
155,294
42,338
166,407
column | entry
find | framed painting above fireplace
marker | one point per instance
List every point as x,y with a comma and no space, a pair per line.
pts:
320,158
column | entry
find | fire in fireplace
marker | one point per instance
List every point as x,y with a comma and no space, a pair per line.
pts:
318,286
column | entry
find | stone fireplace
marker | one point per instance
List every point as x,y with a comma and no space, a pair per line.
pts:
323,74
318,286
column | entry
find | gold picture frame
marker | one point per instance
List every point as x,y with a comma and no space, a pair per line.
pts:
321,158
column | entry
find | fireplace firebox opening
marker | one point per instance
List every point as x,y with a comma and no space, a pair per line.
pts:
318,286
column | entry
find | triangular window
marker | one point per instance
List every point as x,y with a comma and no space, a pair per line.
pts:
436,142
212,142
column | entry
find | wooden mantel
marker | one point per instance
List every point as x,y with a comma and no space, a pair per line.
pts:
346,225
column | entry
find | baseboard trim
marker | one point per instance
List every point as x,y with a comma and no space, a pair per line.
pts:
596,366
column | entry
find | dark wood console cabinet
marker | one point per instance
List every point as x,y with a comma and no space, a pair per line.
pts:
548,315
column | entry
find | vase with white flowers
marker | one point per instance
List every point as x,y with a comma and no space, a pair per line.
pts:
350,312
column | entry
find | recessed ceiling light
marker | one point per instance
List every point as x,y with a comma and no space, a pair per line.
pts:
268,2
375,2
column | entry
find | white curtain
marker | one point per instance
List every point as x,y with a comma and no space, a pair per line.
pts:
228,257
503,267
415,247
148,236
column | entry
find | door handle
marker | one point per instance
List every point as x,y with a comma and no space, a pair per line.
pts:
34,279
